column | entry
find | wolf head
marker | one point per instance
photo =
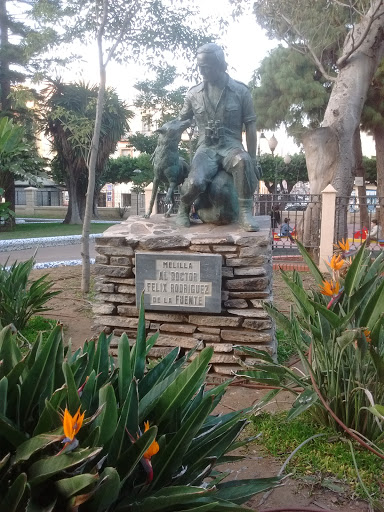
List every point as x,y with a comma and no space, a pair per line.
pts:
173,128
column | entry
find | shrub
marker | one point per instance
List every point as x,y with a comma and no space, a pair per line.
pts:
20,298
133,439
338,331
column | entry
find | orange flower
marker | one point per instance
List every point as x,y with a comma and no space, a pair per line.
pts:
330,288
154,448
367,335
343,245
72,425
336,262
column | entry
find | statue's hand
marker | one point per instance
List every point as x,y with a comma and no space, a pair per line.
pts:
257,167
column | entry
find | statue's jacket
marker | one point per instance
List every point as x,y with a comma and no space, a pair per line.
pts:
233,110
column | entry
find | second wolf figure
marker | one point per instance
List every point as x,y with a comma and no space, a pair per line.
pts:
168,166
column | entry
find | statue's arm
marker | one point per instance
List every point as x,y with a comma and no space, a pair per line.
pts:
251,138
187,111
250,124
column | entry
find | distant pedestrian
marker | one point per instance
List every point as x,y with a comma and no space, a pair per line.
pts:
286,229
275,216
375,232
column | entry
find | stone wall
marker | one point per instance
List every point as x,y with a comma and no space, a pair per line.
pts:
246,283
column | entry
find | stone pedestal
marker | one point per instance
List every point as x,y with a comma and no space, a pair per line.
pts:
246,283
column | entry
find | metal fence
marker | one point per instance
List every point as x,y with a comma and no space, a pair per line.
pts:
162,206
293,217
355,220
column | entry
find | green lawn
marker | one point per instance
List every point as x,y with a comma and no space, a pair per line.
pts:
37,230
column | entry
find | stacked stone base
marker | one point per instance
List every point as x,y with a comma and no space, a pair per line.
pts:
246,283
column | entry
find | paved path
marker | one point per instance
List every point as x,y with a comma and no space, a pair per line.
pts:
47,254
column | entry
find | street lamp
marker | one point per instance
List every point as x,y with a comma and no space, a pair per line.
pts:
137,171
272,143
287,161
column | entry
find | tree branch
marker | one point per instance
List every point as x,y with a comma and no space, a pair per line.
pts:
129,14
349,6
311,51
343,60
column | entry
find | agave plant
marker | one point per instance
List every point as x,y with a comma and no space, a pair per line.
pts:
84,432
337,328
21,298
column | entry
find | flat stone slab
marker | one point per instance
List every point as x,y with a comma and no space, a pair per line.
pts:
143,232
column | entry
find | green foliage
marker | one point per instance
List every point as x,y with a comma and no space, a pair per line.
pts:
325,460
274,169
121,170
157,98
35,326
19,297
285,347
287,89
5,212
345,334
370,169
107,466
143,143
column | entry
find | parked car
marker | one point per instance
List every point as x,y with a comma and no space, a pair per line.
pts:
291,207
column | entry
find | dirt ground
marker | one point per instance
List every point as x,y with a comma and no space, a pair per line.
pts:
76,314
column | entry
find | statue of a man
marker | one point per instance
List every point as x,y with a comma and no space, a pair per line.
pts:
220,106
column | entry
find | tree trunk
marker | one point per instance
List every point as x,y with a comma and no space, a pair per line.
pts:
361,191
86,275
73,213
329,150
379,143
5,84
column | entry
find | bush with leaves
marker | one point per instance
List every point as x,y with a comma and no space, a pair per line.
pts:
338,330
135,439
20,298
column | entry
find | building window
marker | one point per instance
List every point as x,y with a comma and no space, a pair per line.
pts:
102,201
126,200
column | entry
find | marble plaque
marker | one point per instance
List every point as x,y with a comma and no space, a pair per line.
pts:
179,282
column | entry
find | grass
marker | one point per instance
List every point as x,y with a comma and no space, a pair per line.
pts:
285,349
39,230
326,460
36,325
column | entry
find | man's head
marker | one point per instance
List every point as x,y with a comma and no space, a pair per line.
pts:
374,222
211,62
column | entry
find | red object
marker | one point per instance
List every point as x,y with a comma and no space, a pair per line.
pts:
361,234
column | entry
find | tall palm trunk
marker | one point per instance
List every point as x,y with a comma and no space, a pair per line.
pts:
379,143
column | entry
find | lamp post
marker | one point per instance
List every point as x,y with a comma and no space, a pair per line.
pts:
287,161
137,171
272,143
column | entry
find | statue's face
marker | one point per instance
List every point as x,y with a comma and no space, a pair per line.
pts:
208,67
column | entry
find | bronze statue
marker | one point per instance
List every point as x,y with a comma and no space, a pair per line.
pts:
167,164
221,168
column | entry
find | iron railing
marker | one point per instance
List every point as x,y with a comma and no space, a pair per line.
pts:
353,221
162,206
304,214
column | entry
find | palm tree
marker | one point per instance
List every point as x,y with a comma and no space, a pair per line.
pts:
69,118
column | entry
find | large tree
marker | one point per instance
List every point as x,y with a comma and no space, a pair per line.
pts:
69,120
21,44
373,122
288,90
353,33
